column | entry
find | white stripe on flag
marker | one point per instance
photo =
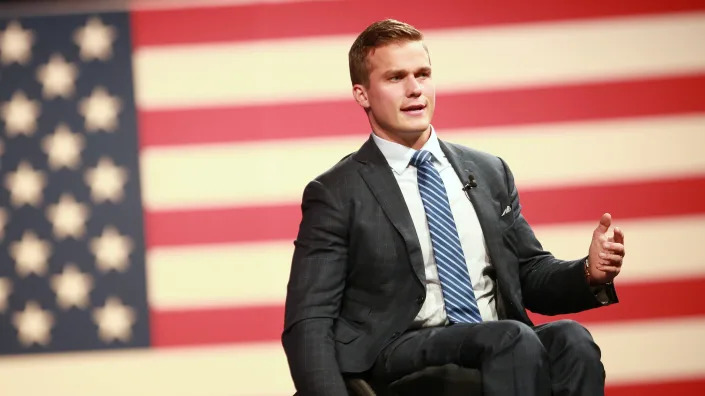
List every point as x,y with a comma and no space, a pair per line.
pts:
277,171
639,351
223,275
514,55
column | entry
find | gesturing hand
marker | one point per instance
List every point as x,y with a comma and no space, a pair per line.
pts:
606,252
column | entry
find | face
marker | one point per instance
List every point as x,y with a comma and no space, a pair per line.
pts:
400,97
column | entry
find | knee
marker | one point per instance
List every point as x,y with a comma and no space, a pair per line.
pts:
518,336
569,336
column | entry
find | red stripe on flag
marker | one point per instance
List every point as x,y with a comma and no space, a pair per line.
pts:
216,325
265,323
236,224
669,197
694,386
266,21
628,200
644,97
642,301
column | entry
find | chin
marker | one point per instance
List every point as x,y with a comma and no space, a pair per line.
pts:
418,127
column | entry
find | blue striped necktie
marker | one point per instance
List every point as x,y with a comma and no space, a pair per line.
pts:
459,298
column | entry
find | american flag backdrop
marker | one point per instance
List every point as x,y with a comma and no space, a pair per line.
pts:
152,160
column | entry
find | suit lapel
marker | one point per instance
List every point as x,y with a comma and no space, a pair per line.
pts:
486,207
379,178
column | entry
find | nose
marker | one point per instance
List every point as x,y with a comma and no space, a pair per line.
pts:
413,87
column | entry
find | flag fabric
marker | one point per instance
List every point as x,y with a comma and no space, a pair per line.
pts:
153,161
72,246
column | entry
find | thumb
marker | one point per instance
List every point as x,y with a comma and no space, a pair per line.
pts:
605,222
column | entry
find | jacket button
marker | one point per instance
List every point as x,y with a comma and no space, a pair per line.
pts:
420,300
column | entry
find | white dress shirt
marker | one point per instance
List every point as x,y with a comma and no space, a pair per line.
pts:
472,240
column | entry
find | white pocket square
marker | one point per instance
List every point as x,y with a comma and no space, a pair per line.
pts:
506,210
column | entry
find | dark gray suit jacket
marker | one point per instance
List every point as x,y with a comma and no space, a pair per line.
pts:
357,275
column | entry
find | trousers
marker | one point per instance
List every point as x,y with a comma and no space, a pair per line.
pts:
558,358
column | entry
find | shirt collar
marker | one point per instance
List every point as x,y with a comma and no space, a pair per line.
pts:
398,156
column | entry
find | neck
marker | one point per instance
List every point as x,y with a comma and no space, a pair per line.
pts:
409,139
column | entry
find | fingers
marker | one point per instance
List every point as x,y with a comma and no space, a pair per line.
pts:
614,247
612,260
618,235
611,257
605,222
609,263
609,269
607,248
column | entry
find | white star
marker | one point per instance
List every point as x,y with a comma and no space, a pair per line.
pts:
95,40
25,185
5,290
112,250
58,77
72,287
33,324
106,181
63,148
30,254
114,320
20,115
68,217
100,110
15,44
3,222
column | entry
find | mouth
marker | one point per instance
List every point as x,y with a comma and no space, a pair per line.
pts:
415,109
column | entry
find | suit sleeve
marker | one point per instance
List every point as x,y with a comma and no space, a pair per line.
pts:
314,292
550,286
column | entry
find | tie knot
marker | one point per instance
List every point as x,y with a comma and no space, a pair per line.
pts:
420,157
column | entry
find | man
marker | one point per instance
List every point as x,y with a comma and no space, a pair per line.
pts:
413,252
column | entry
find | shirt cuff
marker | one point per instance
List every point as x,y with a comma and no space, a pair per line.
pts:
600,293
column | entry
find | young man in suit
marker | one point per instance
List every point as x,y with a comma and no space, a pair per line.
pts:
413,252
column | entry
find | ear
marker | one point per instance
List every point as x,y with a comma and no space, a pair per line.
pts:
360,95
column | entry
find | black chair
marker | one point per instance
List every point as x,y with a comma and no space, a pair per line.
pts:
448,380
